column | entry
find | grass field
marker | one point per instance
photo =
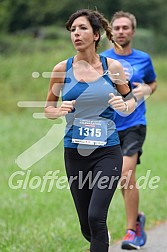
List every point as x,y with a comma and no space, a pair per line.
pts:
35,221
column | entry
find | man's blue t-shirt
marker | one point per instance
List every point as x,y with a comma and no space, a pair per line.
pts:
140,69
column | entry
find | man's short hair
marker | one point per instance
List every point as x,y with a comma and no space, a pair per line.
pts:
128,15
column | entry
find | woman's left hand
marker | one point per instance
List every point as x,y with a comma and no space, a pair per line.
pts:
117,103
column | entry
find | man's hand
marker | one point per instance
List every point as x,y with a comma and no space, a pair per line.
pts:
141,90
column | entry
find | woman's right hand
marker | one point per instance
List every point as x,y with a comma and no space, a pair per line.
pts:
65,108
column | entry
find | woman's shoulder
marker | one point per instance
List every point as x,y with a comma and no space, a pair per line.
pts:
59,71
60,67
112,63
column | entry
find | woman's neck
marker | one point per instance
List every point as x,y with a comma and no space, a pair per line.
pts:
87,67
89,56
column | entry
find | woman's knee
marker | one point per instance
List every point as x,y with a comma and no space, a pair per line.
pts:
95,221
86,233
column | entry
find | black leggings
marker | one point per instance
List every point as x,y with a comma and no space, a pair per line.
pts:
93,180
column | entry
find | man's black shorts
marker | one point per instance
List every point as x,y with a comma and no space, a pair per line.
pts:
132,140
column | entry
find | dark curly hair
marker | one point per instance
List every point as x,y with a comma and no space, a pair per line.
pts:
97,21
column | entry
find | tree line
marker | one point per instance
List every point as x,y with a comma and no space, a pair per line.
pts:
16,15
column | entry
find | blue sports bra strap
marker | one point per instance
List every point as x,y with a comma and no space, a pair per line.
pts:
68,67
69,63
105,67
104,62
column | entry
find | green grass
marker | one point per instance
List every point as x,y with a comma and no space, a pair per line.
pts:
36,221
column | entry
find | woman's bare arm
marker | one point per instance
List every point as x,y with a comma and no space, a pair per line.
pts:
52,111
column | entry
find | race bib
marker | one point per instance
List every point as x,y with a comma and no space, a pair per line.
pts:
89,132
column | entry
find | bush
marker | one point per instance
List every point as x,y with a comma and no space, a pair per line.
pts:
144,40
30,40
